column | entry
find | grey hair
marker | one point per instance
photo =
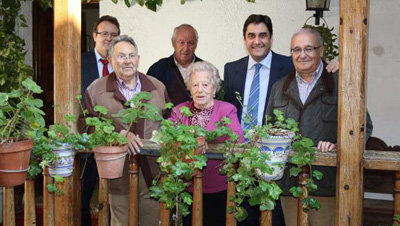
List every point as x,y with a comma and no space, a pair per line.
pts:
175,33
312,32
122,38
203,66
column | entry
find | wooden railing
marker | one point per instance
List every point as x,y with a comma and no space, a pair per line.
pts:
65,209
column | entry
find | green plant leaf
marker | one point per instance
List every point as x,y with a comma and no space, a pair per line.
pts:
100,109
32,86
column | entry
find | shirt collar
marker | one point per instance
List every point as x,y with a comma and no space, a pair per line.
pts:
122,83
98,56
315,75
180,66
266,62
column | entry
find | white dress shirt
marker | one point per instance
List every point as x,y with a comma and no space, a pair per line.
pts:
306,87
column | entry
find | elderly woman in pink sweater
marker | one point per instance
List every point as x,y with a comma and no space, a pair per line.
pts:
202,80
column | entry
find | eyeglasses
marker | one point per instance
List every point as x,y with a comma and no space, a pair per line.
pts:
122,58
105,34
307,50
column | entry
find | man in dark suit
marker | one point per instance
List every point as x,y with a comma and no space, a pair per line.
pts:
267,67
238,76
94,62
171,70
94,66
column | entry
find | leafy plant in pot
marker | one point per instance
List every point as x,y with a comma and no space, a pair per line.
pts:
110,146
262,161
20,117
181,156
55,148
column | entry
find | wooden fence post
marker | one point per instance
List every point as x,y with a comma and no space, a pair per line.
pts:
302,217
104,206
48,200
231,191
266,218
396,204
8,206
164,212
133,210
29,206
197,208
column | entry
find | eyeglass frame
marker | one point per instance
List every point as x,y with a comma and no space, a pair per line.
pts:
105,34
307,50
123,58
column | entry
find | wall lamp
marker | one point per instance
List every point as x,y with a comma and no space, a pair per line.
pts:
319,6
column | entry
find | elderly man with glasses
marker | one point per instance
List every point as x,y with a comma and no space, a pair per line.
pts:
309,95
112,92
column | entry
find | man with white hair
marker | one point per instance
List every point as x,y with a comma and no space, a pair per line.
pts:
309,95
171,70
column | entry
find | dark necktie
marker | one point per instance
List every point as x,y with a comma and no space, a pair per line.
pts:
105,68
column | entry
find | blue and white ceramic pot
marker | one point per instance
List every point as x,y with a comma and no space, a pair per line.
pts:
278,148
63,163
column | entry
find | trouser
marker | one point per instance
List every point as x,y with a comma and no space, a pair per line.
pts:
254,215
89,179
324,216
214,207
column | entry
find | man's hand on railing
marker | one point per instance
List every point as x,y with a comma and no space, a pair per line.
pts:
326,146
134,142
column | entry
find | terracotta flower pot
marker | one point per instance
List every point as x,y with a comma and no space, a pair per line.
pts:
14,162
110,160
63,165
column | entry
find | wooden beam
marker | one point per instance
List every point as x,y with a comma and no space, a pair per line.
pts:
67,57
165,213
266,218
67,83
378,160
351,111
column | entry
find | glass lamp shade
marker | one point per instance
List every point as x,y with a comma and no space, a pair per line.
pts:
317,5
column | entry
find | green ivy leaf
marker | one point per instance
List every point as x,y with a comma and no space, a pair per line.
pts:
100,109
317,174
294,171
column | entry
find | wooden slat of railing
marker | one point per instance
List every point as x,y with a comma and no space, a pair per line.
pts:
77,191
8,206
133,210
48,200
164,212
29,206
266,218
197,209
104,207
63,206
302,217
396,196
231,191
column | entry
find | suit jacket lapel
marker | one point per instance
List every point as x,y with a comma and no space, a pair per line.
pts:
241,81
93,69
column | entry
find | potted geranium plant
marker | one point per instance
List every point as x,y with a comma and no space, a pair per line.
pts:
110,146
20,117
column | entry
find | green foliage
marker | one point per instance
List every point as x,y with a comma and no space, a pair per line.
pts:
52,187
20,113
150,4
396,218
104,133
180,156
329,38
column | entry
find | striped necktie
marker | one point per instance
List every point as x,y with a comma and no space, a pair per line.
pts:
252,106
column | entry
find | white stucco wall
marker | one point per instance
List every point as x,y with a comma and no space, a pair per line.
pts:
219,23
26,32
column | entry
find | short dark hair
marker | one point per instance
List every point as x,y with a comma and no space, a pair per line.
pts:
258,18
107,18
